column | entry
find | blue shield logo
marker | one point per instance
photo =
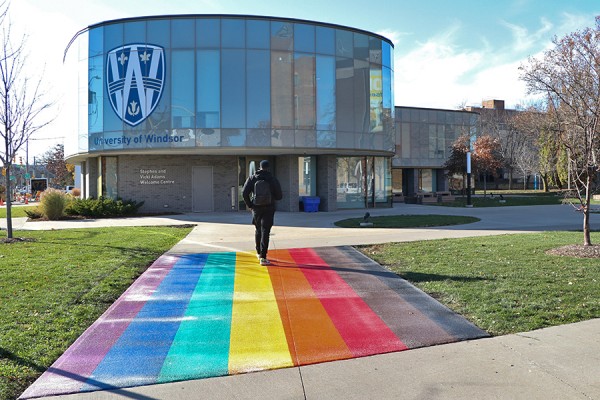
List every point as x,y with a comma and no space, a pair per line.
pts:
135,77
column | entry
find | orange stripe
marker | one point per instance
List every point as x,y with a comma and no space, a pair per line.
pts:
312,336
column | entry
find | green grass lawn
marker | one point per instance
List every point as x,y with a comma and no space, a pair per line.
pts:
503,284
512,198
508,201
52,289
408,221
16,212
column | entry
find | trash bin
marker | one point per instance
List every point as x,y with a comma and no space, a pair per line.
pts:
311,203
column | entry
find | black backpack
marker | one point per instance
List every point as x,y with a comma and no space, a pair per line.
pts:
262,193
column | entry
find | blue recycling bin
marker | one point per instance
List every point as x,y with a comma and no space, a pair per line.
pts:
311,203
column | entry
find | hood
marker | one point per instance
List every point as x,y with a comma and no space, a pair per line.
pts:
262,174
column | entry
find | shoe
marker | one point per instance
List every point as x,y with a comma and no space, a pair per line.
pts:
264,261
258,256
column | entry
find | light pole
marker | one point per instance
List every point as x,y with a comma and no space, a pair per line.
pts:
469,179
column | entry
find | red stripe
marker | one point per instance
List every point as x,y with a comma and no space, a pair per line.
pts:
361,328
312,336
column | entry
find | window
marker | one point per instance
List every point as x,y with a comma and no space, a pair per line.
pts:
376,99
307,176
281,89
233,89
344,94
344,43
282,35
96,42
208,72
258,103
208,33
108,177
325,40
257,34
159,32
95,94
182,33
233,33
304,91
325,70
361,46
304,38
182,98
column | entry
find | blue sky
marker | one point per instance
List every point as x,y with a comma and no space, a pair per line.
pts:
447,52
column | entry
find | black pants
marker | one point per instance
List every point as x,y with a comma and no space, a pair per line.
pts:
262,218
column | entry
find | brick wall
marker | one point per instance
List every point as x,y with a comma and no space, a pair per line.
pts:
327,182
286,171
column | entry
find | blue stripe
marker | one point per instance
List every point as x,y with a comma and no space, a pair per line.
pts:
137,357
201,347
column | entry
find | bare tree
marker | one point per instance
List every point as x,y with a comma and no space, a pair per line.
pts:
532,123
496,123
569,76
22,103
527,161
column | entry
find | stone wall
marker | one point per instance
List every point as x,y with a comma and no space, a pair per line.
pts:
164,183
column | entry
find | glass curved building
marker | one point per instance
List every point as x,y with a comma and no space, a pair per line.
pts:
177,111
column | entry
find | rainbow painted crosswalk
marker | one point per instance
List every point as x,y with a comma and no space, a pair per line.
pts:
204,315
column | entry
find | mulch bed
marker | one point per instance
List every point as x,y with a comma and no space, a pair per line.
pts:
576,250
16,240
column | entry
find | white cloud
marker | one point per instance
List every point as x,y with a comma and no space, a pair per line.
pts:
523,39
394,36
430,75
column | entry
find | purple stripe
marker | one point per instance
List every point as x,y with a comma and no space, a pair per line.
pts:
76,365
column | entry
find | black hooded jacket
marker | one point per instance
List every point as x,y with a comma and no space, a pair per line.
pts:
261,174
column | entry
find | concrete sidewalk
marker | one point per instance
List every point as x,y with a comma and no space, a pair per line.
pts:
555,363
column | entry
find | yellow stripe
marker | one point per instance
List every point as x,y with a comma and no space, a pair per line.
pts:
257,337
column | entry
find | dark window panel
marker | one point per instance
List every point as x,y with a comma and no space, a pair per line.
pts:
182,33
304,38
208,33
233,89
257,34
233,33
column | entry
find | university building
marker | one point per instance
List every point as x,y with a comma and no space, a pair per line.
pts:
177,111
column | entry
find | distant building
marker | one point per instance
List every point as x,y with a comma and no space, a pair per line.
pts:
424,138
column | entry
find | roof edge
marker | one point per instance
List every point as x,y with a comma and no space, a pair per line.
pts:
233,16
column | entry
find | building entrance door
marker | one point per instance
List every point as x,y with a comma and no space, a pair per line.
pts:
202,189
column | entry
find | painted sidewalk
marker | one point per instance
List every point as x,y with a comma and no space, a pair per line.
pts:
213,314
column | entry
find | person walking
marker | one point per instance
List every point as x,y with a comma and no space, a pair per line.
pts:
260,192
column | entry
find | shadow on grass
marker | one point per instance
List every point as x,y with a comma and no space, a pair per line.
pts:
421,277
20,361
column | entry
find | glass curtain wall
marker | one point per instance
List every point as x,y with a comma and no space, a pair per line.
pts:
363,182
307,176
237,82
107,179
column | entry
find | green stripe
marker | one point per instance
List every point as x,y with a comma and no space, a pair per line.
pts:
201,346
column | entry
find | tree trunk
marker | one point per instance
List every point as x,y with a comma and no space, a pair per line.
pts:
484,184
544,178
510,178
587,241
9,229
